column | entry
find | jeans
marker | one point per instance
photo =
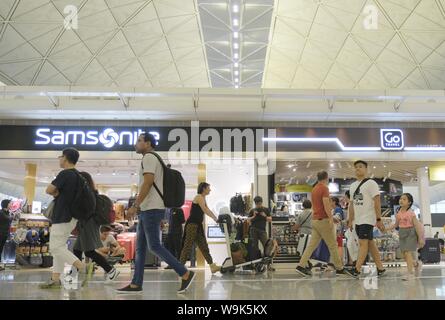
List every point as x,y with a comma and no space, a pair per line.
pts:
58,247
148,235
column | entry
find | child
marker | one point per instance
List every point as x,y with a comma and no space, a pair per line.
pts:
409,234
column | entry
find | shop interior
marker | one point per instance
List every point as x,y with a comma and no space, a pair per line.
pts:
118,179
293,182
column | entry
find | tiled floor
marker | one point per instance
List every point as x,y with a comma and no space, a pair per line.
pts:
281,284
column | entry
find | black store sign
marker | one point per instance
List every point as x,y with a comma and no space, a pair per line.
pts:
114,138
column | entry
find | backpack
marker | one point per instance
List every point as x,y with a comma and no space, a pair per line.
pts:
173,185
84,202
237,204
104,209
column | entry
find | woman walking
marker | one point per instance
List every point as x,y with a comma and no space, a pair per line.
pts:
194,230
89,240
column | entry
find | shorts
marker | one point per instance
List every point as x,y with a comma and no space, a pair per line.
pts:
364,231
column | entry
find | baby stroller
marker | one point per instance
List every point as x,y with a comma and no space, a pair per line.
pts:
236,261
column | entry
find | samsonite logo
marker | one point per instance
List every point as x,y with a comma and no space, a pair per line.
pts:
392,139
108,137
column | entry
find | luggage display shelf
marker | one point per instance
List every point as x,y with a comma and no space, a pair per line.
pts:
287,242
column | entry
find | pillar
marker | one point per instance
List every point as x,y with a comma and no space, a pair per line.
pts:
424,200
202,177
30,182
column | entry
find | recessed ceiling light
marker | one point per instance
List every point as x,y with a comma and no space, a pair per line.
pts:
332,165
236,72
235,8
294,169
235,45
237,86
235,22
236,55
236,80
236,64
289,166
236,35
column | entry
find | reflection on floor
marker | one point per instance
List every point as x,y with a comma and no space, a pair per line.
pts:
281,284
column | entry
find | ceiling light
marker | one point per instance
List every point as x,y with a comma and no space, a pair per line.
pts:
374,167
294,169
235,45
236,64
289,166
235,35
235,8
236,80
384,166
237,86
332,165
114,173
236,72
236,55
236,22
426,168
308,165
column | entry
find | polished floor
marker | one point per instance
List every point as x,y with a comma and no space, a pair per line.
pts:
277,285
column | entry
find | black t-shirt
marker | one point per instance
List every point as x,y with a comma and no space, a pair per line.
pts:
5,223
259,221
66,182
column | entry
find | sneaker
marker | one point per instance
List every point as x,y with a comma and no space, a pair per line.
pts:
305,272
129,290
112,275
381,273
340,272
185,284
51,284
352,273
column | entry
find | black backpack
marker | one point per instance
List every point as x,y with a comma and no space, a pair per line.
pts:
84,203
174,186
237,204
103,209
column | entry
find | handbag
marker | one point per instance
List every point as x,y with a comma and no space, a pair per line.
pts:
50,210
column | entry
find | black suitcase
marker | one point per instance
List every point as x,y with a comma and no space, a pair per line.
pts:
430,253
8,255
47,261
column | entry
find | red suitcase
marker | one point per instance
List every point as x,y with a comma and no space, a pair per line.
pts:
128,241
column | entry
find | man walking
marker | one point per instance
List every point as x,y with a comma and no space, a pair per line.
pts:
322,227
151,210
63,189
365,212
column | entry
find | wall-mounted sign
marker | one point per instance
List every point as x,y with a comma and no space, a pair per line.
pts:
108,137
392,139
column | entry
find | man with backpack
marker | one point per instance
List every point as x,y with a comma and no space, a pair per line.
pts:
159,187
66,190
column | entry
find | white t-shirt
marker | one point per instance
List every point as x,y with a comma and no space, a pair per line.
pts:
363,202
151,164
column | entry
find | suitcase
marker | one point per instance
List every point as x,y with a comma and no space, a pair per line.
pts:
321,253
47,261
9,250
303,242
35,260
430,253
128,241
